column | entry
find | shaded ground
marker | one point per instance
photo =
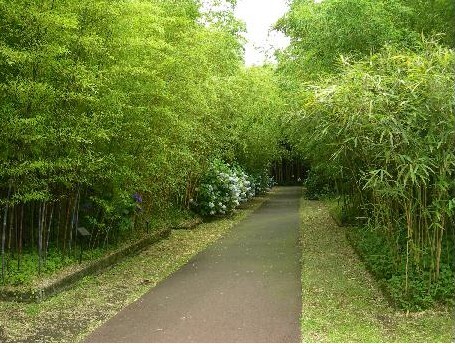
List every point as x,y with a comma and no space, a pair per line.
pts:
341,301
70,315
244,288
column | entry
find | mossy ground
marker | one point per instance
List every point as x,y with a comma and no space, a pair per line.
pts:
72,314
342,302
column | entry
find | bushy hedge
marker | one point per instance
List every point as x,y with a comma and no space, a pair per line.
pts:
318,184
224,187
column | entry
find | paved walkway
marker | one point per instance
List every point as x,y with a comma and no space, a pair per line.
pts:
244,288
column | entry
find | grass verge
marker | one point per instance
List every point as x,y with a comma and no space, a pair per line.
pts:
342,302
72,314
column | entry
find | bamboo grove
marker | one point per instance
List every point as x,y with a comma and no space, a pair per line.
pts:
370,87
113,111
110,113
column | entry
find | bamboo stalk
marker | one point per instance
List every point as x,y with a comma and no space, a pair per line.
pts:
5,216
40,235
10,232
57,241
65,233
16,232
48,234
408,238
21,228
32,226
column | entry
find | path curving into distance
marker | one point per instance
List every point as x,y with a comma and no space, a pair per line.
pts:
244,288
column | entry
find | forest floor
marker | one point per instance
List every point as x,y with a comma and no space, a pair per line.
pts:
342,302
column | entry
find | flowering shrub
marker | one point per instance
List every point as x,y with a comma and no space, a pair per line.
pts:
262,182
223,188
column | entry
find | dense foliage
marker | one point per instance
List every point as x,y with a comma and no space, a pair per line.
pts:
370,98
112,110
225,187
116,112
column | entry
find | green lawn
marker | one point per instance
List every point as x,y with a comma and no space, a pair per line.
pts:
341,301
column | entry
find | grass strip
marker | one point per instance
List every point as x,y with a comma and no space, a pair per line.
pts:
72,314
342,302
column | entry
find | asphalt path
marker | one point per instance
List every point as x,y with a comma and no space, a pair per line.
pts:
244,288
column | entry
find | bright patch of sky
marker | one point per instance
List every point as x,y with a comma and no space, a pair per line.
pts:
262,41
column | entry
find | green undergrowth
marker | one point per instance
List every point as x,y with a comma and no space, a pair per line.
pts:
390,273
22,271
375,252
342,302
72,314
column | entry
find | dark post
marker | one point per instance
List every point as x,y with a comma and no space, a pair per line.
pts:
83,234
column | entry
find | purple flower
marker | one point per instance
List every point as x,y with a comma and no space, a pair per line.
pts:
137,197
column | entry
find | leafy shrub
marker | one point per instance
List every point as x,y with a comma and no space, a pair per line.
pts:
420,295
261,182
317,184
223,188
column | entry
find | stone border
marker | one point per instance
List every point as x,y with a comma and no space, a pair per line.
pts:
44,291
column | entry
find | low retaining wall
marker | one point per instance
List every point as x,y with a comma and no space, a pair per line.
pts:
41,292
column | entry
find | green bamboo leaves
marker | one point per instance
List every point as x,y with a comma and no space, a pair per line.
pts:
100,100
394,138
376,115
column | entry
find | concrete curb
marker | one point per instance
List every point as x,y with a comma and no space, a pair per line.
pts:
42,292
